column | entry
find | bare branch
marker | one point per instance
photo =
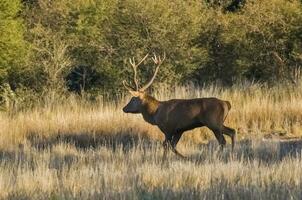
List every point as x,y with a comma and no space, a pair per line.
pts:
292,74
277,58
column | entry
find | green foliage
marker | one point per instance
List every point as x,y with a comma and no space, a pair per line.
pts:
141,27
84,45
273,28
241,44
13,51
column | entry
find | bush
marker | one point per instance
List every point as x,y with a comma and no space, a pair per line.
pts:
242,44
84,45
13,50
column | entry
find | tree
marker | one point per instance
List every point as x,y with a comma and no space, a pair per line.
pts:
13,50
240,44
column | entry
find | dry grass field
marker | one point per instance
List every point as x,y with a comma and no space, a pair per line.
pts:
76,149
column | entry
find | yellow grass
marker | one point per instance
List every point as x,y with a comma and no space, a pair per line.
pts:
83,150
255,112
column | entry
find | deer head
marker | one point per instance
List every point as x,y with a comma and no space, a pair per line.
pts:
138,94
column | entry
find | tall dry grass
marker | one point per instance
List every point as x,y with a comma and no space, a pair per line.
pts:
76,149
256,170
256,111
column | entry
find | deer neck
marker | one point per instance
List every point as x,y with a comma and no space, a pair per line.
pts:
150,106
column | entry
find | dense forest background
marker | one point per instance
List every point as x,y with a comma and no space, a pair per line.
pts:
62,46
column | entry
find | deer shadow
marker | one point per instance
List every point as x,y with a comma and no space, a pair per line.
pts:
23,155
265,151
88,141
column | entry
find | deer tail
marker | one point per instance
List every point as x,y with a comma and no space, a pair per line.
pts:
229,105
227,111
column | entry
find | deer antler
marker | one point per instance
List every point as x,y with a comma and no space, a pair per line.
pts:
126,85
157,61
134,66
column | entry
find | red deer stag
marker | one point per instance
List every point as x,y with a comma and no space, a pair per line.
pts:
175,116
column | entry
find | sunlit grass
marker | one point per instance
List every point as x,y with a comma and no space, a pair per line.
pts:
67,171
256,111
92,150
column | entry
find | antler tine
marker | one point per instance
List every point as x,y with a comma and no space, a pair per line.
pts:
154,58
158,62
134,66
135,73
126,85
164,56
143,59
132,62
135,79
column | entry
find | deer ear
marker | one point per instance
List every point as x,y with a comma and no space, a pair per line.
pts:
134,93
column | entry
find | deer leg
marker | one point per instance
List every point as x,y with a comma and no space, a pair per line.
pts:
166,145
174,142
219,136
231,133
171,142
